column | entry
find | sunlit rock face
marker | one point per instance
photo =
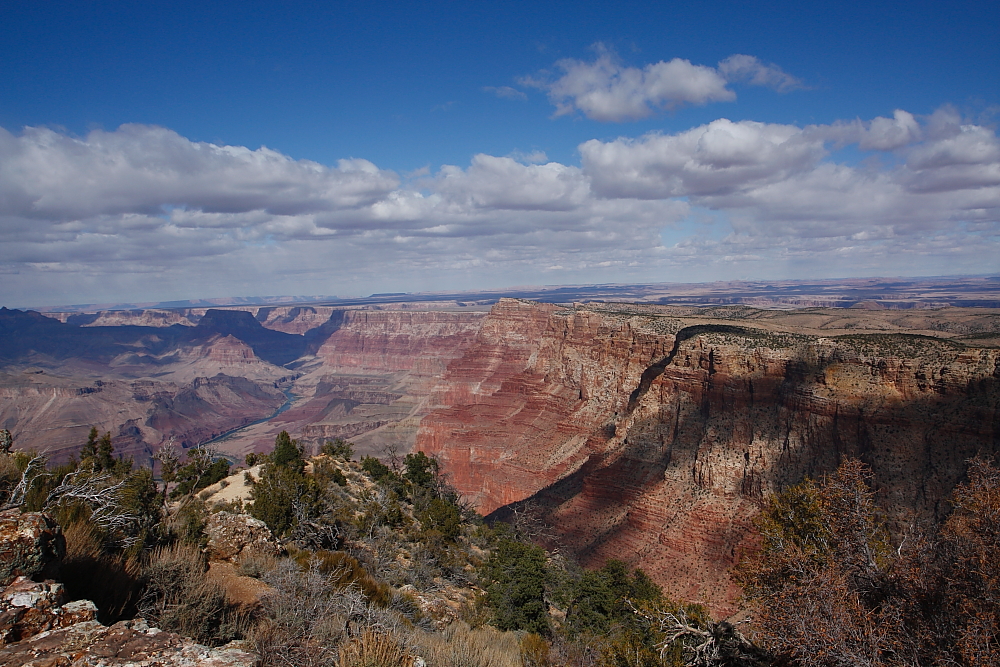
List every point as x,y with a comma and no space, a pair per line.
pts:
653,439
397,341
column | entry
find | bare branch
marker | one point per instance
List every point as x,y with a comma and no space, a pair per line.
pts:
28,477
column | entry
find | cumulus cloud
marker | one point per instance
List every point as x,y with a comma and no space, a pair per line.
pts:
138,168
781,187
608,91
144,212
715,158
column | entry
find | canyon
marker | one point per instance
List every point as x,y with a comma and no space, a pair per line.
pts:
644,432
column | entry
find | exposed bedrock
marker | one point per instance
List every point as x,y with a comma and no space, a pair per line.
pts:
653,440
368,341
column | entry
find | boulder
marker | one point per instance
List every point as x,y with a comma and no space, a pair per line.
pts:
126,643
232,535
29,543
28,608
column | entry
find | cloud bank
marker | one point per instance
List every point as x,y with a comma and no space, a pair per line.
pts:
142,212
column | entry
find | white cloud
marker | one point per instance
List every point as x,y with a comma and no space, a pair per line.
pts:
788,198
139,168
142,212
740,68
606,90
719,157
502,183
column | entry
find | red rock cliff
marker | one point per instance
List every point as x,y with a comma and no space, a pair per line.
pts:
395,341
652,439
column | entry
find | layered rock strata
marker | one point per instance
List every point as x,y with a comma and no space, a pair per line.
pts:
653,438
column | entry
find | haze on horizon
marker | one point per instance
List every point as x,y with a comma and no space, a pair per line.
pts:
169,151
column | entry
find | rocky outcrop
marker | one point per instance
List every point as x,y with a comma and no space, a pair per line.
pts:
28,608
124,644
294,319
146,317
233,535
29,544
653,437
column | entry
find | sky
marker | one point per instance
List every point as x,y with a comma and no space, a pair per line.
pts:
161,151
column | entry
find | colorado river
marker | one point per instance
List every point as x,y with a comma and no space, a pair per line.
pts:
290,398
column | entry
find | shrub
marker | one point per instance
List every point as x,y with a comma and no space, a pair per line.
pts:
281,497
338,449
179,597
601,597
375,468
515,587
443,517
189,522
307,616
342,571
111,581
204,468
287,453
421,470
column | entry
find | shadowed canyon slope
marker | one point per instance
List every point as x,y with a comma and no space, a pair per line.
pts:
650,434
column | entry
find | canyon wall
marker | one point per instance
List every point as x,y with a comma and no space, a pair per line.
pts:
643,432
652,437
361,374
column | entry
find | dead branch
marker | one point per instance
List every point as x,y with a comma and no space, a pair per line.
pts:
20,492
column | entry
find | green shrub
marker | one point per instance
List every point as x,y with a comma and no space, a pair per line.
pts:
375,468
443,517
421,470
287,453
338,449
282,496
515,587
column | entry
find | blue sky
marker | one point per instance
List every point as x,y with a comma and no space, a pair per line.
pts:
461,145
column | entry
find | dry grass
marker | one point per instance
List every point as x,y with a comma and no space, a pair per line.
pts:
112,582
462,646
309,615
343,570
255,564
375,649
181,598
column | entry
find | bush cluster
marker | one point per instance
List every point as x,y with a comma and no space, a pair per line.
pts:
832,587
375,550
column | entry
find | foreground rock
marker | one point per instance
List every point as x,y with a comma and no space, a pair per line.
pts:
126,643
29,543
233,535
28,608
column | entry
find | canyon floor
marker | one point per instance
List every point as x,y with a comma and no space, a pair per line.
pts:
641,431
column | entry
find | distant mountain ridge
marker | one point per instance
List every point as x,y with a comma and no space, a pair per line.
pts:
26,332
869,293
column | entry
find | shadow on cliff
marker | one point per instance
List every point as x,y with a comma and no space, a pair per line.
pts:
26,334
737,438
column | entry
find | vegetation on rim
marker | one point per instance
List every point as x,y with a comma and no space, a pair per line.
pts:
385,565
